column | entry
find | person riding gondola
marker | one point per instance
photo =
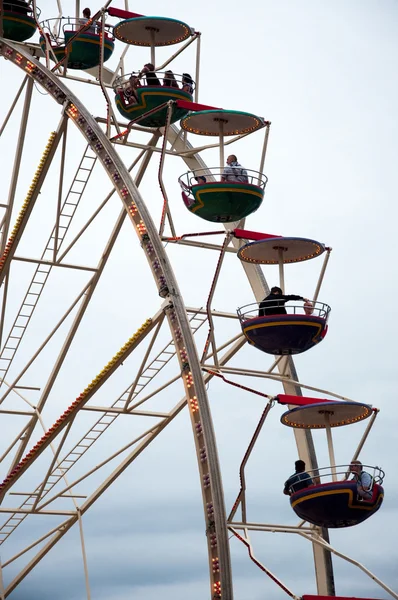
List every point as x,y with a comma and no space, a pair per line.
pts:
150,76
86,17
234,171
299,480
274,303
364,480
169,80
187,83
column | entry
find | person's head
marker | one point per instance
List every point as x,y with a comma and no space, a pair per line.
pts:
186,78
276,291
355,466
300,466
201,179
87,13
149,67
231,158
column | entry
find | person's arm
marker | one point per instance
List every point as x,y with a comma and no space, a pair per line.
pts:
286,489
365,481
292,297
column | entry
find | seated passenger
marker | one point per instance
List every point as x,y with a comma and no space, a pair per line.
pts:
149,73
169,80
364,480
129,90
187,83
87,17
234,171
274,304
201,179
129,95
299,480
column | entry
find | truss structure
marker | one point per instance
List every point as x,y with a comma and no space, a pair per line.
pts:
88,265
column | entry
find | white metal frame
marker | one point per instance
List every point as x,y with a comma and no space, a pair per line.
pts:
198,373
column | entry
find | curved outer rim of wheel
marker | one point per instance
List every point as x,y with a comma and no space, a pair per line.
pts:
212,491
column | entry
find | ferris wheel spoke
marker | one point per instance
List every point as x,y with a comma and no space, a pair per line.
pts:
66,463
13,104
17,164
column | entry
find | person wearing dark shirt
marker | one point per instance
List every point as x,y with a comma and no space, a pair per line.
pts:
274,304
149,73
169,80
187,83
299,480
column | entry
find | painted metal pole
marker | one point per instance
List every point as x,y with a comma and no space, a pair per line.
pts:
13,104
281,271
322,274
365,435
264,152
179,51
152,33
319,541
330,444
197,68
60,190
17,162
2,591
221,129
84,555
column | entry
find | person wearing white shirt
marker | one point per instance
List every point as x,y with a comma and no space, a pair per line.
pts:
234,171
364,480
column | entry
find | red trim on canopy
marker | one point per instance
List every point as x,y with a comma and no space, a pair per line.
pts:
301,401
310,597
195,106
123,14
253,235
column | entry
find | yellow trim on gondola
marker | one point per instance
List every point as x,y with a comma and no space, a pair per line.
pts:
333,492
201,203
319,326
97,42
61,49
142,100
29,20
273,323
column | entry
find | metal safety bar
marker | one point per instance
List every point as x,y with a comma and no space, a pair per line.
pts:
56,28
327,474
19,7
250,311
168,79
240,175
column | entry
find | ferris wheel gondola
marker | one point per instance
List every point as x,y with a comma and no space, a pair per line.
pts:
19,23
79,48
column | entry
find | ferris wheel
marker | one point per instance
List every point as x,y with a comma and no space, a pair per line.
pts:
89,265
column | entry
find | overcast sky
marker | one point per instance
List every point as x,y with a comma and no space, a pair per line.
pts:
324,74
